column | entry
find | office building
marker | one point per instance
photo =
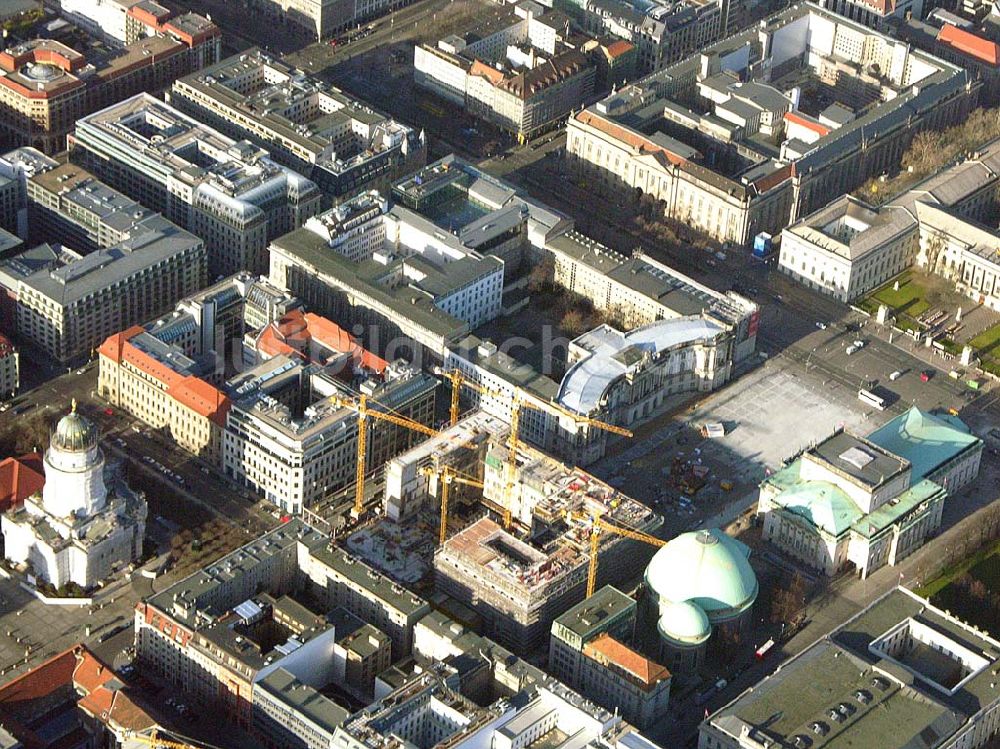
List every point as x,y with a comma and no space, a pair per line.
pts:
868,502
956,40
67,303
483,210
485,213
900,673
68,202
849,248
709,137
409,487
338,142
16,168
695,335
516,71
520,582
123,22
229,192
165,389
290,438
80,530
393,272
45,85
717,592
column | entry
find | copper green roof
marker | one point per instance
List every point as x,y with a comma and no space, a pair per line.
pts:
707,568
823,504
926,440
684,623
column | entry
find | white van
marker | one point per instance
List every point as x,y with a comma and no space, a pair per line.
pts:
895,375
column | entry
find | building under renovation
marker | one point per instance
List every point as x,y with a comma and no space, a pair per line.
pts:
520,579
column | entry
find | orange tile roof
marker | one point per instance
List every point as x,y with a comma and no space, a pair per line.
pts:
197,394
967,43
19,479
90,677
114,345
629,137
127,714
292,334
619,48
488,72
201,397
335,337
807,122
607,650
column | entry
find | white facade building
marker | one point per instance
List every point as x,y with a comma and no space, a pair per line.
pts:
849,248
77,531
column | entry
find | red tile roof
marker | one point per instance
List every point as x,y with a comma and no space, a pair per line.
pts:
775,178
969,44
90,677
607,650
19,479
807,122
629,137
33,694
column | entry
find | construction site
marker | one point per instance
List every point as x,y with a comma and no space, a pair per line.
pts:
558,532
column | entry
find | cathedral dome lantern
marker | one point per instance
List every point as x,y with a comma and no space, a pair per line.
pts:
74,433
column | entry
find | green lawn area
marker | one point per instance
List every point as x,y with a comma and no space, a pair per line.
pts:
908,300
987,346
987,341
984,566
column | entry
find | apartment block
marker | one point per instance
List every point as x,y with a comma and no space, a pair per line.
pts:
68,303
717,138
517,71
229,192
338,142
45,86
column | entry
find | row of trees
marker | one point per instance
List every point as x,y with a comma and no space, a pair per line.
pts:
576,313
931,150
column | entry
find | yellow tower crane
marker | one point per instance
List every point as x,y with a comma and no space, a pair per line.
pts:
361,408
599,525
458,380
448,475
